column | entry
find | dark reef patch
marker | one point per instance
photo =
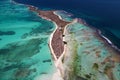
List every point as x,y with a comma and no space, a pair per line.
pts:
17,52
3,51
7,33
13,66
80,78
41,29
48,60
22,73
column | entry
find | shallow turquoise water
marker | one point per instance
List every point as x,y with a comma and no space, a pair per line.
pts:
24,51
88,55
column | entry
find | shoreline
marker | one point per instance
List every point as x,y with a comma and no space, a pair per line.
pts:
108,41
56,39
79,19
58,60
99,33
83,22
60,69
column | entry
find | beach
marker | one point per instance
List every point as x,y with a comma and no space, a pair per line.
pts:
53,46
65,55
56,39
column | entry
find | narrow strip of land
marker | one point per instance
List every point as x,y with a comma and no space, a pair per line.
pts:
57,43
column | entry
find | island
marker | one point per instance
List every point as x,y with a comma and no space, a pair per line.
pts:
56,42
38,44
80,51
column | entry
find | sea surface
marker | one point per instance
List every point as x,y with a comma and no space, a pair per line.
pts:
24,50
101,14
24,36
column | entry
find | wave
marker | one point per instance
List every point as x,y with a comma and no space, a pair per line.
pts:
109,42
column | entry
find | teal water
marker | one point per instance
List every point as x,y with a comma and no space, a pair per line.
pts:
64,15
24,51
89,57
101,14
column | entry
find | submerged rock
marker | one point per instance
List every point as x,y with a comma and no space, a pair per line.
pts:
7,33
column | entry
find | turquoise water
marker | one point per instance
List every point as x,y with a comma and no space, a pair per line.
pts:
24,51
89,57
64,15
101,14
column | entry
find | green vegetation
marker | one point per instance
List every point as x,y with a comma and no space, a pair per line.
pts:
95,66
87,76
107,67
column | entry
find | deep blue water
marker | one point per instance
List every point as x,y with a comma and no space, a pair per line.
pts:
103,14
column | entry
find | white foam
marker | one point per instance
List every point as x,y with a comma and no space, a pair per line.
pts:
115,47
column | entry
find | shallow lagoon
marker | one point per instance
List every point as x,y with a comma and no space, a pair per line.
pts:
89,57
24,51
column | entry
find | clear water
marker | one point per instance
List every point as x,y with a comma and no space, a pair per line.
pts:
102,14
87,57
24,51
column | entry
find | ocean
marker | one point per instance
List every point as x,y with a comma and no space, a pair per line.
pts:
24,36
24,50
101,14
